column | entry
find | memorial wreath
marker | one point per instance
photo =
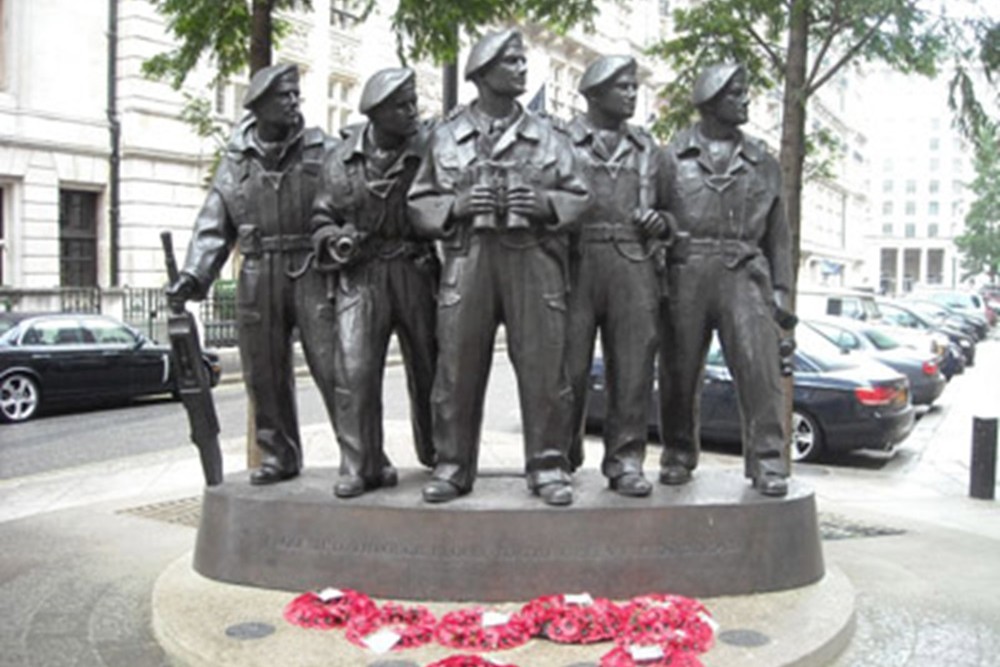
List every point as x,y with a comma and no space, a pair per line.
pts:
573,619
414,626
479,630
329,608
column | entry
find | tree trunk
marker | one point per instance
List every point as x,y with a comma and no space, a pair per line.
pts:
260,34
792,158
793,127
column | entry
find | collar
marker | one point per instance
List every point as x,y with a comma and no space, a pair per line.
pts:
693,144
467,124
353,146
582,130
245,139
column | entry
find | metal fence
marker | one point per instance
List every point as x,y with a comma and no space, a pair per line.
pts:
143,308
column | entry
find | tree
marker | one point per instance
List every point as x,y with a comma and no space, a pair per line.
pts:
800,45
234,34
980,243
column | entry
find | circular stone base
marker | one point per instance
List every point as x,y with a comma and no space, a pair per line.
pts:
713,536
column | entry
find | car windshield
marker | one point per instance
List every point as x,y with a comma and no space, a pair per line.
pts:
816,351
881,339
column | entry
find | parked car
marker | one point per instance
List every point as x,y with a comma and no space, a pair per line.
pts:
968,321
838,302
47,359
965,301
921,367
840,403
904,314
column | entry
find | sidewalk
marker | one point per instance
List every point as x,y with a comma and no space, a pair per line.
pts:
81,549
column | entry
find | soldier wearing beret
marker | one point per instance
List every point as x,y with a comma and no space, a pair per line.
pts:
725,192
260,201
616,290
498,189
384,278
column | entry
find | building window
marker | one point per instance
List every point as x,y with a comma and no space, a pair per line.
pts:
887,208
935,144
910,230
340,101
886,186
934,187
911,186
932,230
342,14
911,208
887,164
77,238
935,164
933,208
887,229
664,7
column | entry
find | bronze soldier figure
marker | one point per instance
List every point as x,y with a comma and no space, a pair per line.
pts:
725,191
385,279
260,201
498,190
616,289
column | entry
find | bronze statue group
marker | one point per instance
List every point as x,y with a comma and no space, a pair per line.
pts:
441,232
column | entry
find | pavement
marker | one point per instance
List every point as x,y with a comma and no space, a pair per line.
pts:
81,550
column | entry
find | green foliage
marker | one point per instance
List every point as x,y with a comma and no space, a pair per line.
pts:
431,28
754,32
976,43
220,29
980,242
199,114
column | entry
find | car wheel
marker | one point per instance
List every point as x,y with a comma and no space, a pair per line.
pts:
807,440
19,398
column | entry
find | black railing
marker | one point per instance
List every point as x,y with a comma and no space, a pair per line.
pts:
143,308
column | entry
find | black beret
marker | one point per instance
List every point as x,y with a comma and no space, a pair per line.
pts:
262,81
487,49
381,85
602,70
712,80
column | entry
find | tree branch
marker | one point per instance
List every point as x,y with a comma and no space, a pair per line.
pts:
813,86
773,56
833,32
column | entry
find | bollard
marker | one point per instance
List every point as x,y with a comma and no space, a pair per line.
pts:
983,472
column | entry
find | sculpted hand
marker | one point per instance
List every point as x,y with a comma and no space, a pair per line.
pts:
652,223
785,318
475,200
525,201
183,289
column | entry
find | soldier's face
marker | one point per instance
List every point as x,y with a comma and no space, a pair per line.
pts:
732,104
617,97
280,104
508,74
397,114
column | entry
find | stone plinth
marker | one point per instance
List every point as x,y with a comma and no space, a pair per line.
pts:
712,537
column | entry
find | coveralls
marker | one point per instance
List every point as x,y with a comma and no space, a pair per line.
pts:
500,271
616,290
390,288
740,251
260,201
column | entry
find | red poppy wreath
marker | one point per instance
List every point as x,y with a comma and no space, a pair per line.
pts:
573,619
480,630
329,608
408,627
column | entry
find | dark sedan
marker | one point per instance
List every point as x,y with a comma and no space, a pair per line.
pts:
60,359
905,315
921,368
841,402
